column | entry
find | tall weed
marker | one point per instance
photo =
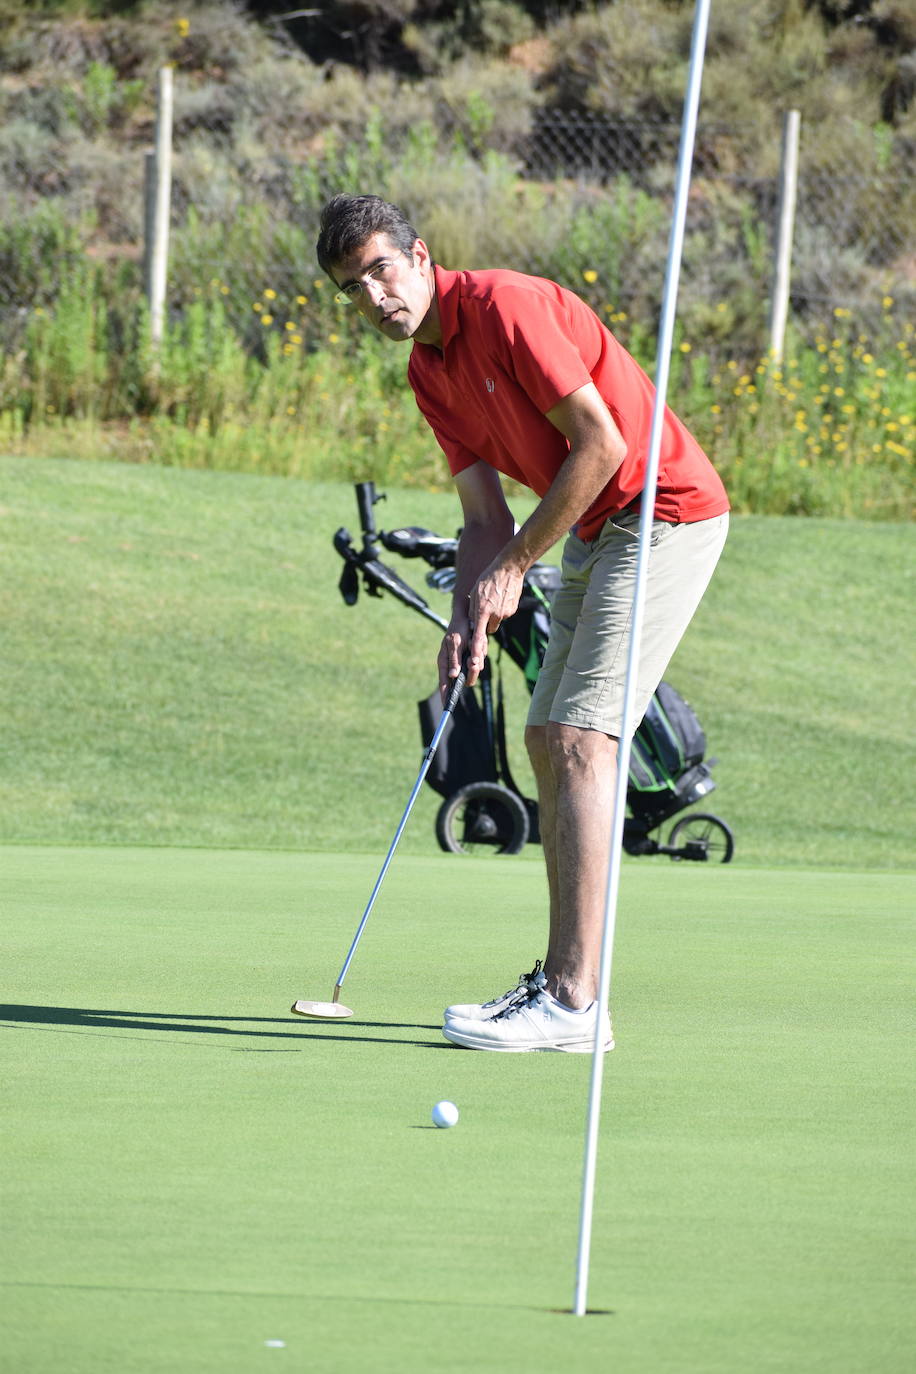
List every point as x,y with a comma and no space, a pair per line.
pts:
828,432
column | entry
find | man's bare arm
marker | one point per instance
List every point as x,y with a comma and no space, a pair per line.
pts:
596,450
487,527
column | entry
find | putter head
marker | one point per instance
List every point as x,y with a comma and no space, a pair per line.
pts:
320,1011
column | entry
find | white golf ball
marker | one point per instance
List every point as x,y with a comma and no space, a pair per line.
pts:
445,1114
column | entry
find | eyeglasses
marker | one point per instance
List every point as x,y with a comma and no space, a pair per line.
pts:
381,272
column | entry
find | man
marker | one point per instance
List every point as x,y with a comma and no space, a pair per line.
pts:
517,375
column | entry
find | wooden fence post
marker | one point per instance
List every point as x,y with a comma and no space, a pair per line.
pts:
158,190
782,268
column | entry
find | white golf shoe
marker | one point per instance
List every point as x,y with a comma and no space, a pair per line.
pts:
528,984
539,1022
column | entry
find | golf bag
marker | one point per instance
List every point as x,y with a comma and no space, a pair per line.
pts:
483,810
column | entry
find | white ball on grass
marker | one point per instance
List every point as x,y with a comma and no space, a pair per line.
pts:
445,1114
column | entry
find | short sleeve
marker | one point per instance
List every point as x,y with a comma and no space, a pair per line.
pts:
546,344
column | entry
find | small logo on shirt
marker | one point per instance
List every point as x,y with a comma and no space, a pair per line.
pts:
491,385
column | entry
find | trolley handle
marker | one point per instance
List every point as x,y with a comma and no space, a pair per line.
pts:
366,498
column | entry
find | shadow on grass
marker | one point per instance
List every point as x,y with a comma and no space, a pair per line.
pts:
300,1297
95,1020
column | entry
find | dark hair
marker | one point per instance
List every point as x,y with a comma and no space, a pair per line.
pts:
347,222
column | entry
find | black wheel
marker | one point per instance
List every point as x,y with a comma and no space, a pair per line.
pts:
703,838
483,818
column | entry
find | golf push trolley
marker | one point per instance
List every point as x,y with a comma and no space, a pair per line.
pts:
483,810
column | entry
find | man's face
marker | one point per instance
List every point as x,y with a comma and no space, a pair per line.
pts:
397,292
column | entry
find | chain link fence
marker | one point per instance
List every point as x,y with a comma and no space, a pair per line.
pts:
581,198
587,200
855,227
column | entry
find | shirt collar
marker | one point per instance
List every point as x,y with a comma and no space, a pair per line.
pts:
448,293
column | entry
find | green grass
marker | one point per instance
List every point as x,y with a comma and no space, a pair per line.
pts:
178,668
193,1173
189,711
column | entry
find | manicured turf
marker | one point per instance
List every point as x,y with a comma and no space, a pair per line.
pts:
177,667
193,1174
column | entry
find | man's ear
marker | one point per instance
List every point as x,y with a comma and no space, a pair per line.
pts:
422,253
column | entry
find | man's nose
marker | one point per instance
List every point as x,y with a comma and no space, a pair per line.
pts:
373,291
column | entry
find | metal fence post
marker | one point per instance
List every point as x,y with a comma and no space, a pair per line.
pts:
782,269
156,216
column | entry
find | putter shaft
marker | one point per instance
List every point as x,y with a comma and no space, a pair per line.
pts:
451,703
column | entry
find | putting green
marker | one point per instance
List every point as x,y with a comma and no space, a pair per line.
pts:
190,1174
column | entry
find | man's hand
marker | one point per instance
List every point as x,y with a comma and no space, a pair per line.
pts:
493,599
454,647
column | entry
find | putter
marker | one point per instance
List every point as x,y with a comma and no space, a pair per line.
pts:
333,1010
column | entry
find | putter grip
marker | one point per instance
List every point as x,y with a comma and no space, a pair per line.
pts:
457,689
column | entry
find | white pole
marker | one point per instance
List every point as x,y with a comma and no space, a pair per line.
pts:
628,725
159,249
788,185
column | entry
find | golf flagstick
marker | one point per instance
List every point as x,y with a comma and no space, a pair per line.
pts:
628,724
326,1010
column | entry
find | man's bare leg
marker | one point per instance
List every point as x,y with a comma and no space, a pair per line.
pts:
576,774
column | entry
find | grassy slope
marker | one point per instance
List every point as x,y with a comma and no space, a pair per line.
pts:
179,669
193,1173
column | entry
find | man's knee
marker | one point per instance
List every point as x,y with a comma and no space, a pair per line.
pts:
572,749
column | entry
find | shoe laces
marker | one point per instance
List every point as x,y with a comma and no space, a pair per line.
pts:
529,989
520,996
529,981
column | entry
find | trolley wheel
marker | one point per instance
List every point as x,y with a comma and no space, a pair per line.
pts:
702,837
483,818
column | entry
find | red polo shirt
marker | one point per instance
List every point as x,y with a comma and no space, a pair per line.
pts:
513,346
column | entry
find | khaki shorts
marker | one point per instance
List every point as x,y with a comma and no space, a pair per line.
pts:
581,681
